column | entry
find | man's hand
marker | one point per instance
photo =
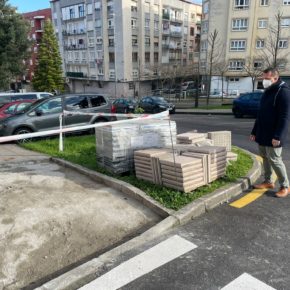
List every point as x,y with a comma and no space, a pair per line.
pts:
252,138
275,142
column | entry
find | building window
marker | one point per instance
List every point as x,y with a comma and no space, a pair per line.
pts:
234,80
236,65
241,4
283,43
147,41
98,23
191,31
77,55
100,71
32,23
286,2
135,73
99,40
135,56
147,56
260,43
203,45
89,9
156,25
264,2
81,9
110,23
72,13
91,42
111,57
111,41
285,22
204,27
134,41
238,45
156,57
134,8
147,23
258,64
240,24
156,43
133,23
262,23
111,73
84,55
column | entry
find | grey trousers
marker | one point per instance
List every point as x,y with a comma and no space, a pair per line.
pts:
272,161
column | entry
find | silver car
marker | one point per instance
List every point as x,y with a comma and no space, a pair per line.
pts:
44,114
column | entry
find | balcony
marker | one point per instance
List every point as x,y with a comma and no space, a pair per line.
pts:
175,34
73,32
166,32
75,47
176,20
75,74
165,45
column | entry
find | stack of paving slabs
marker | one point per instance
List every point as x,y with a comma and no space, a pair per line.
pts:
221,138
215,159
190,137
115,144
147,164
231,156
181,172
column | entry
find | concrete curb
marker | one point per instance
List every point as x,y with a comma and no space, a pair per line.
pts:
88,271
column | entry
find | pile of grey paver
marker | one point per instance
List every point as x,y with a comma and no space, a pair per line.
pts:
115,144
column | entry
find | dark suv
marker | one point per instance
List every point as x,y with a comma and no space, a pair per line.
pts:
247,104
44,113
156,104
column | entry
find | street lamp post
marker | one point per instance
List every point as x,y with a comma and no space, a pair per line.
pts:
115,56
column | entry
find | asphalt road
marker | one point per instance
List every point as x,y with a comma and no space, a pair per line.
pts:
233,249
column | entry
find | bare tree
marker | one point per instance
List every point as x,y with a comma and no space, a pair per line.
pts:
213,55
253,68
273,53
221,67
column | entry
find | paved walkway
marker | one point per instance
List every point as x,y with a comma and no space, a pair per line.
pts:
52,217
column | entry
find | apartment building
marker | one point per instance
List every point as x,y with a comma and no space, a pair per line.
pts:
36,20
247,31
118,46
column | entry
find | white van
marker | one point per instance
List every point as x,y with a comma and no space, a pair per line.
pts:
11,97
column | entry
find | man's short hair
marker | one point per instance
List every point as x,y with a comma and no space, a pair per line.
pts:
271,70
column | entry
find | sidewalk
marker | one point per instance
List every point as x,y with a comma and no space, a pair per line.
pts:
53,218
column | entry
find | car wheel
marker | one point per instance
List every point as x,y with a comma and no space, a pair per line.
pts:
23,130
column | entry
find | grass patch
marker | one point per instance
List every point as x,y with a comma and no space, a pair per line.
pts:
82,150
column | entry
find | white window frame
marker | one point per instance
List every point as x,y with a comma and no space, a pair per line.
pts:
240,24
260,43
286,2
241,4
283,43
236,65
133,23
262,23
264,2
99,40
112,73
238,45
285,22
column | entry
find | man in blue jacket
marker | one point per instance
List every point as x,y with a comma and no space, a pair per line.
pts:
270,130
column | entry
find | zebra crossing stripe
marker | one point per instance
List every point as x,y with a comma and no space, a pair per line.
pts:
142,264
247,282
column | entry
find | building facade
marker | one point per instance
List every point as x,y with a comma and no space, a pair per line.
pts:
121,46
249,37
36,20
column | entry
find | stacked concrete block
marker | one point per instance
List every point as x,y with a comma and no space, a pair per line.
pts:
190,138
115,144
231,156
216,160
147,165
181,172
221,138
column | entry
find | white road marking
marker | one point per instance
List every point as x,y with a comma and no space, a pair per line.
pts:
247,282
142,264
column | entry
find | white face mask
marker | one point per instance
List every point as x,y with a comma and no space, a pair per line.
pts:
267,83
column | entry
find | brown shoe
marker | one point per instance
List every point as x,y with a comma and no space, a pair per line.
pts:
283,192
264,185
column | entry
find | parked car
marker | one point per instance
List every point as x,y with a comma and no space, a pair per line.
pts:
186,85
10,97
247,104
156,104
125,106
44,113
13,108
